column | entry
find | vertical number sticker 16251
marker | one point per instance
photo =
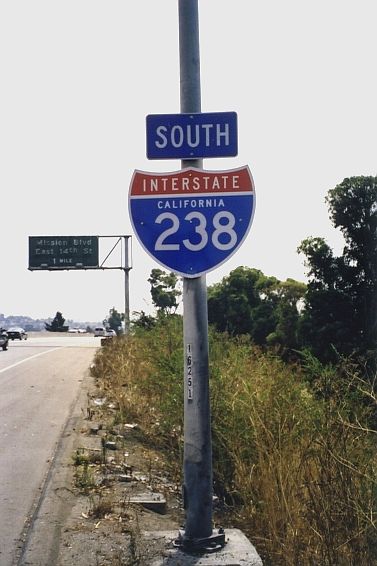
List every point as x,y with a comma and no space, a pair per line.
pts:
189,372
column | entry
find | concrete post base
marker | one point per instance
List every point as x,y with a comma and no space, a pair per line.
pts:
238,551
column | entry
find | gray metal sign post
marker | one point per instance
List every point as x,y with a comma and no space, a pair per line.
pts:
125,261
164,211
126,269
197,464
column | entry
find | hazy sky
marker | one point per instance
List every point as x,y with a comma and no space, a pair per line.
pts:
78,79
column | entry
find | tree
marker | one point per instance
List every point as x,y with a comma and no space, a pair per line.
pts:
286,335
114,320
341,302
143,320
164,290
57,325
230,302
249,302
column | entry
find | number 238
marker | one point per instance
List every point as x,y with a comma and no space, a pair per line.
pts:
223,223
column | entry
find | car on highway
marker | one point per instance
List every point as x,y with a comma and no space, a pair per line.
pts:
4,339
110,333
100,331
17,332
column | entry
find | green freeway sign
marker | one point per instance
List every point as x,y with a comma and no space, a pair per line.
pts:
63,252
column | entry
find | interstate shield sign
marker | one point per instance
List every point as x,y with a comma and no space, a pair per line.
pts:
191,221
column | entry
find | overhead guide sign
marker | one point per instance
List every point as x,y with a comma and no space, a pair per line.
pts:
63,252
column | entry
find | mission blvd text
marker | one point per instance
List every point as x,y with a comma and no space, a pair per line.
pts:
54,242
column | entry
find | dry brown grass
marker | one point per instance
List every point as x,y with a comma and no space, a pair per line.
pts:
294,459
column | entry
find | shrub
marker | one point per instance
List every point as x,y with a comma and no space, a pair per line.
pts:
294,456
300,466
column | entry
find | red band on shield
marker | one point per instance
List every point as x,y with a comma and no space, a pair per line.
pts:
191,181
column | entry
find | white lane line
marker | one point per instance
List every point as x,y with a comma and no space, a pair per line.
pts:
30,358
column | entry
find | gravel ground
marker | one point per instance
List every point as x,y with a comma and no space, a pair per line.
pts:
87,515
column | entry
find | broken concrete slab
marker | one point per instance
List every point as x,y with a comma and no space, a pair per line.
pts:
125,477
94,428
152,501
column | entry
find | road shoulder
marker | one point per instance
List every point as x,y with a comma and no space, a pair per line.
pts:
102,523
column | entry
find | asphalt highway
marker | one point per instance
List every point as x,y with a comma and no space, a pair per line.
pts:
40,380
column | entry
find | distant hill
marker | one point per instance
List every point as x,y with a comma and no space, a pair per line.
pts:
31,324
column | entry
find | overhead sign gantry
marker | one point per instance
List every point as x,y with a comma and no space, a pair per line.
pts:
60,253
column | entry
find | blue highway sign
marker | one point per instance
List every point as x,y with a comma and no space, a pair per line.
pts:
191,221
191,136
